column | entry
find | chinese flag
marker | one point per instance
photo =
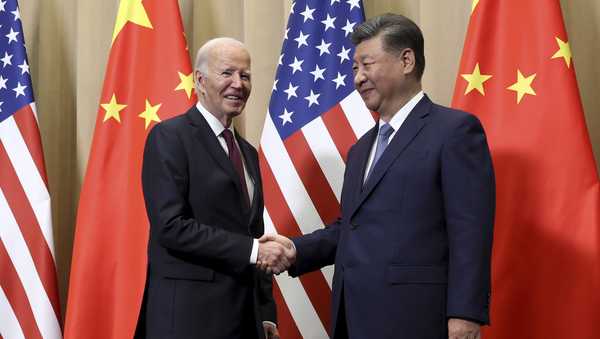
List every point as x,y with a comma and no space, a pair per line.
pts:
148,79
517,76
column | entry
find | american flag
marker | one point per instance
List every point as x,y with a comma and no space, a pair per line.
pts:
29,305
315,115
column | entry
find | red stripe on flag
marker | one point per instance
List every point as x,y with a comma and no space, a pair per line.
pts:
375,116
15,293
340,130
30,229
312,177
28,127
285,323
314,283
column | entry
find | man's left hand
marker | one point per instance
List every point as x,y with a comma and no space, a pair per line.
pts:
271,331
463,329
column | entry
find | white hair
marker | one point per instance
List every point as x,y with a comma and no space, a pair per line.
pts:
202,56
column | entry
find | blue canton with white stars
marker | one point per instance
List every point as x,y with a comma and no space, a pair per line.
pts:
315,65
15,80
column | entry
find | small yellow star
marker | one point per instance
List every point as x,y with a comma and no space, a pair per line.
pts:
522,86
476,80
112,109
150,114
186,84
564,51
131,10
473,5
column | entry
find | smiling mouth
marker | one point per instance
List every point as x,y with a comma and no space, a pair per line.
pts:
234,98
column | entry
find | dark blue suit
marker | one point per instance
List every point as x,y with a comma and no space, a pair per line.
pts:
413,245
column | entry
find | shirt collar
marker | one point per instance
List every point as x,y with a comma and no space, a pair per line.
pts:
215,125
401,115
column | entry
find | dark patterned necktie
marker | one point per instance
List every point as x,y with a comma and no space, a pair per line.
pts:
236,158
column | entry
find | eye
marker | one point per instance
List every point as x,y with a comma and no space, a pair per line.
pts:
226,73
245,77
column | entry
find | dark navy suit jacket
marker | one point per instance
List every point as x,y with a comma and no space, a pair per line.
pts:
200,282
413,245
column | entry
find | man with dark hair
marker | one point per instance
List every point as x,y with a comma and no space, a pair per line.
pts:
413,244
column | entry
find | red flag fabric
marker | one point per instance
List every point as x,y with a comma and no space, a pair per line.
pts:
517,76
148,79
29,303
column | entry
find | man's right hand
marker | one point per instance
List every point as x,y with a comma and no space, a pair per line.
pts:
276,253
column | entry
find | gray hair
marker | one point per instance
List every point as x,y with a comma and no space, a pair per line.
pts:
398,32
204,51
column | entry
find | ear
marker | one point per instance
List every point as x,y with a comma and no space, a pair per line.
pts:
407,57
200,82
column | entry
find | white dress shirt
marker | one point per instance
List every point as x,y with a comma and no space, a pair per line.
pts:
396,123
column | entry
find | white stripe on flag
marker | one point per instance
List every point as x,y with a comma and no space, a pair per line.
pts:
328,274
34,109
357,113
21,258
269,226
287,178
322,146
29,177
301,309
9,325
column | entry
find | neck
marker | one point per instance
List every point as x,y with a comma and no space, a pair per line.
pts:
225,119
387,115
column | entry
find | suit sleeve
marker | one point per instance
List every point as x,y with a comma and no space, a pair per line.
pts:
469,198
316,250
165,182
266,302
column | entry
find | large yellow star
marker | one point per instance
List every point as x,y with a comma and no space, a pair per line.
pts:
522,86
186,84
475,80
564,51
112,109
473,5
150,114
131,10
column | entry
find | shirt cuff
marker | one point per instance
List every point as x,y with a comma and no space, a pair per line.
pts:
270,323
254,253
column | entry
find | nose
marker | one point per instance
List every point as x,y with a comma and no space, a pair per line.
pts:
236,81
359,78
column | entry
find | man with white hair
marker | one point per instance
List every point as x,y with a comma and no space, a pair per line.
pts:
204,200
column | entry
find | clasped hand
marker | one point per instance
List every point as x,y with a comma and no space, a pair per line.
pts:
276,253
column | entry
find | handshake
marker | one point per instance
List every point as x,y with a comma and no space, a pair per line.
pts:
276,253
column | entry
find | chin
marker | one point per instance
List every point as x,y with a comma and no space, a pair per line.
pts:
372,106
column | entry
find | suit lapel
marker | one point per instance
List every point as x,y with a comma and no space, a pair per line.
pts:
411,127
253,172
362,151
209,140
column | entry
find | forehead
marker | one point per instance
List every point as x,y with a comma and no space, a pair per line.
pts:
370,48
230,56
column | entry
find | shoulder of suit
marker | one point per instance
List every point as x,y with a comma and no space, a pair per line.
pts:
178,120
451,115
247,144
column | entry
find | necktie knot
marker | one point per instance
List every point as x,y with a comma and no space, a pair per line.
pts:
385,131
228,136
